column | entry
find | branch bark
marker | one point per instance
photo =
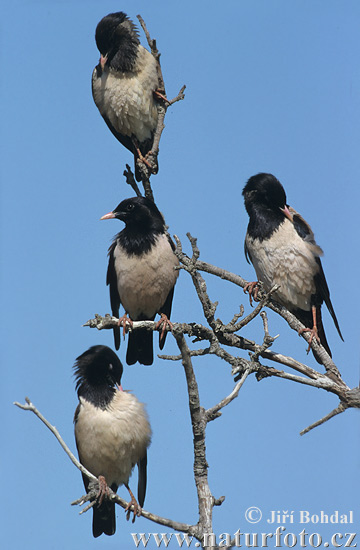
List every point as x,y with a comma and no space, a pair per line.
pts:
162,105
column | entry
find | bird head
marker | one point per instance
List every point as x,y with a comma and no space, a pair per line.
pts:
117,39
98,367
138,212
266,192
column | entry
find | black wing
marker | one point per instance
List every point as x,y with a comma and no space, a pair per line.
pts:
323,291
247,254
166,308
142,478
302,228
111,280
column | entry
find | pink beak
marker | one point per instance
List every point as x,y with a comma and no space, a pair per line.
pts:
287,213
103,60
108,216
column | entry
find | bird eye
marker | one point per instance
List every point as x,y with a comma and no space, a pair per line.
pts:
110,366
129,207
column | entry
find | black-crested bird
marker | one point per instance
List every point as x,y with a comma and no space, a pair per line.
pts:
281,246
141,273
124,84
112,432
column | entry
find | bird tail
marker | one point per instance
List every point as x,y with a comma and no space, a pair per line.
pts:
104,519
116,337
321,333
305,317
140,347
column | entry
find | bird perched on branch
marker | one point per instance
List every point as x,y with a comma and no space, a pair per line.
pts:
124,84
141,274
112,433
281,246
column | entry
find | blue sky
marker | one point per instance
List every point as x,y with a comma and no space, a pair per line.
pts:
271,86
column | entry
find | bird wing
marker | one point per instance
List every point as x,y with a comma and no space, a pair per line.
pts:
304,230
142,464
322,290
84,477
247,253
115,301
166,308
126,141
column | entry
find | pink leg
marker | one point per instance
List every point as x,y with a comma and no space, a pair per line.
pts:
252,289
133,502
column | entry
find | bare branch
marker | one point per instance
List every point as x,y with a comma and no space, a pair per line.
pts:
198,421
339,409
162,105
213,412
238,364
30,407
196,265
130,180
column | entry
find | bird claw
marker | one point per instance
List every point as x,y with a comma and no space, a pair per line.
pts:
103,490
314,333
136,509
153,169
164,321
252,289
160,95
125,322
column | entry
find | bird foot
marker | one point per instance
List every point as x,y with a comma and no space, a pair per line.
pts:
252,289
125,322
136,506
158,94
314,333
152,166
165,322
103,490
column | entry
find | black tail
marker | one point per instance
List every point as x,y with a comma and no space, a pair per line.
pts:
140,347
321,333
104,519
323,291
116,337
306,318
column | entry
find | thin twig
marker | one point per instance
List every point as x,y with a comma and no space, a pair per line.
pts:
162,105
130,180
338,410
30,407
213,412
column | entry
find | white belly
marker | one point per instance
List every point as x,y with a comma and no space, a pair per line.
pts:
144,282
127,100
286,260
112,440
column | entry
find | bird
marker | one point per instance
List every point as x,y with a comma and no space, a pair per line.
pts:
112,433
282,248
125,86
141,274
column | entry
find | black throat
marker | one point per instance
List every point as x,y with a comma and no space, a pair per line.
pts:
137,242
263,222
99,396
